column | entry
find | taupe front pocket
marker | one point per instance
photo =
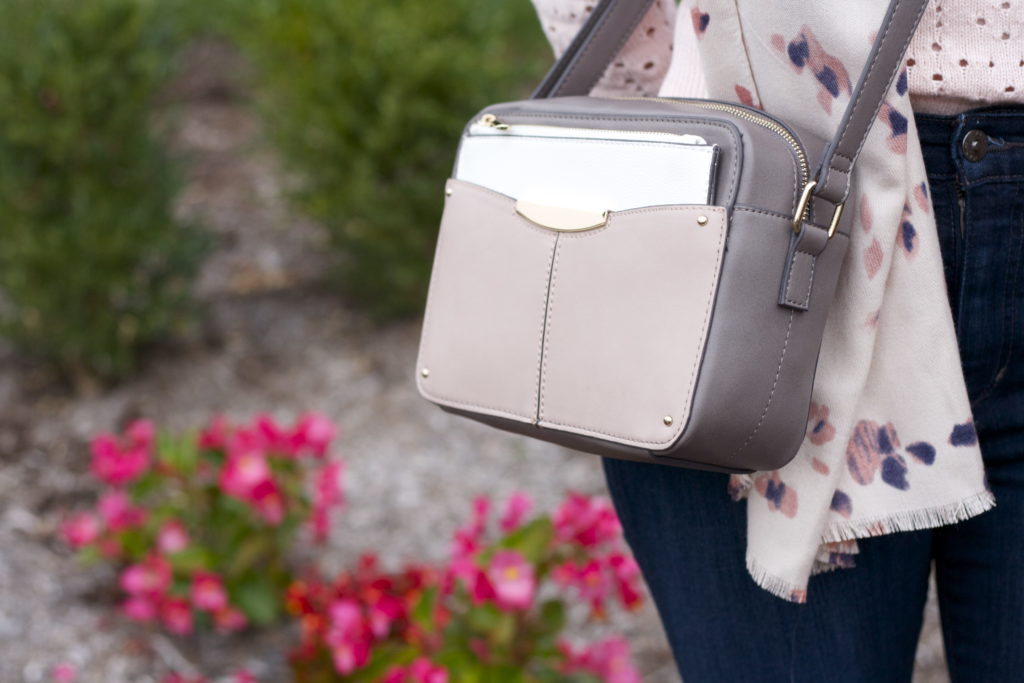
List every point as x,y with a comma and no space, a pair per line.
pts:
598,332
482,331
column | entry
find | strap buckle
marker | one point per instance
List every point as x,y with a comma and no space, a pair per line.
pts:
804,205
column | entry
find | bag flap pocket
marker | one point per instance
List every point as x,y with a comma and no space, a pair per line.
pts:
594,329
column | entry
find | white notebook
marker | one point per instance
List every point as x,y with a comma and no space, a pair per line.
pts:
588,169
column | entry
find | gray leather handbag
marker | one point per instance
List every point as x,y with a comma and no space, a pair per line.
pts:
644,278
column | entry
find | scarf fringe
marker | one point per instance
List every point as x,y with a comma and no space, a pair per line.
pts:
910,520
775,585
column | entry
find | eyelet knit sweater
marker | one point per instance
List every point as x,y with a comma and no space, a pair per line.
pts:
966,53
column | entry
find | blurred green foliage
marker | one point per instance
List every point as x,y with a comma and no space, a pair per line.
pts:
364,101
92,263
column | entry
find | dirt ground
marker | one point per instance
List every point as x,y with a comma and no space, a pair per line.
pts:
273,339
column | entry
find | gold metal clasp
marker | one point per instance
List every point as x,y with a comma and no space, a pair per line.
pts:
560,218
492,121
803,206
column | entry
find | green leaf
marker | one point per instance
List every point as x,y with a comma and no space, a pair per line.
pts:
532,540
259,598
552,616
181,453
190,559
484,618
89,555
252,549
505,630
423,610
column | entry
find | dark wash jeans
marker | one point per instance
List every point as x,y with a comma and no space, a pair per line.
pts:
862,624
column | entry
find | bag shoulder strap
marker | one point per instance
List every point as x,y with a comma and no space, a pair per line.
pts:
613,21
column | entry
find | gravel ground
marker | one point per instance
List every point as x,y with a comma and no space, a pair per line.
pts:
272,340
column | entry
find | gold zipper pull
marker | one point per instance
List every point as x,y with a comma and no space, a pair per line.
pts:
492,121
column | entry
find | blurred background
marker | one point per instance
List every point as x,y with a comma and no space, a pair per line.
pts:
230,207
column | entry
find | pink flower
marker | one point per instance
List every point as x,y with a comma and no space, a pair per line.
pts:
172,537
118,511
247,476
151,577
140,608
424,671
593,584
513,580
229,619
140,434
244,676
208,592
586,521
383,612
64,673
350,655
215,436
243,473
610,660
176,614
271,436
327,494
347,636
117,463
420,671
313,432
269,502
81,529
346,619
466,541
518,506
482,589
176,677
627,579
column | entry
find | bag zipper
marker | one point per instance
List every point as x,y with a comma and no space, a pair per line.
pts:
489,124
747,114
752,115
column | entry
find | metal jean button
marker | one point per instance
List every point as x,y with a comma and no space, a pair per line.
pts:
974,145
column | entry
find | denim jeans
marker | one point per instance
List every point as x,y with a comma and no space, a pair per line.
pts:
863,624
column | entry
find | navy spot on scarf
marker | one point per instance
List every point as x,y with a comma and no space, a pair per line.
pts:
829,79
894,472
898,122
705,19
964,435
774,492
841,503
884,442
799,51
924,190
901,83
909,233
922,451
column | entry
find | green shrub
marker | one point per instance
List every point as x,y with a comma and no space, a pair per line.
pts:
365,100
92,263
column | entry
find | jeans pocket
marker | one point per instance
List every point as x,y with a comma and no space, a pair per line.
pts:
991,307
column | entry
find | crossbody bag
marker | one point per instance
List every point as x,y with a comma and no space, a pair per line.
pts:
644,278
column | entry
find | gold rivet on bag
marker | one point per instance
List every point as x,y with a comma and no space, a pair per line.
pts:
702,220
667,420
425,372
